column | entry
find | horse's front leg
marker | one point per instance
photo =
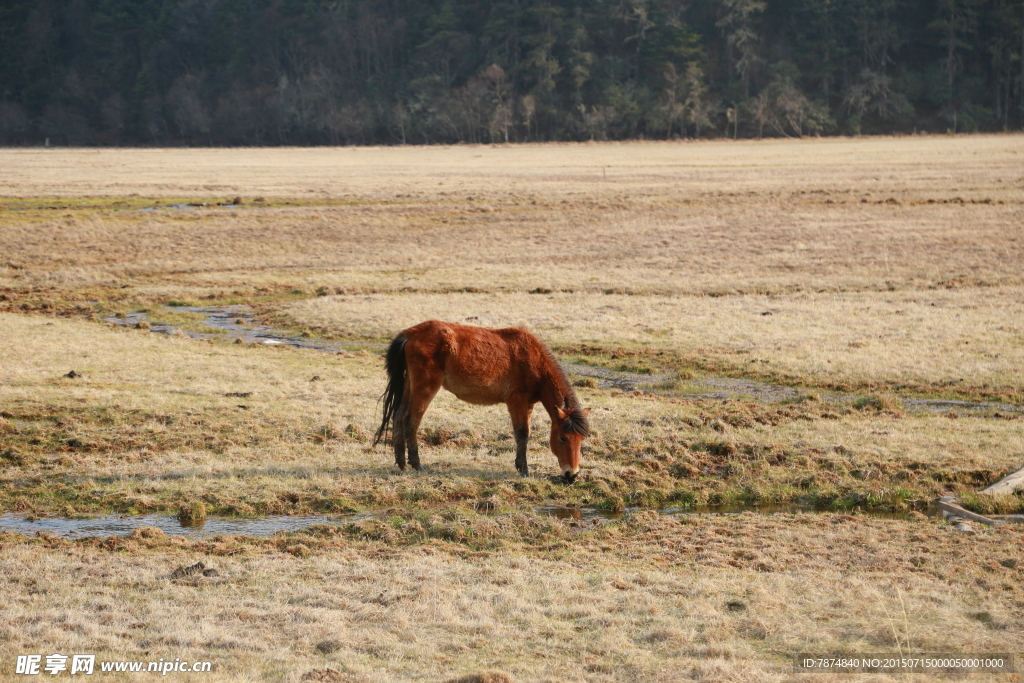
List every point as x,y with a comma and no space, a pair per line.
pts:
521,412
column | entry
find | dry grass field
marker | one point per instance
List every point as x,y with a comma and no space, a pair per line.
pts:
862,273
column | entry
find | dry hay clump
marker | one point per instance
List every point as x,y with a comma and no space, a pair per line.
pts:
486,677
332,676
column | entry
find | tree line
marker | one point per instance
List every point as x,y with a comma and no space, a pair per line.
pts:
305,72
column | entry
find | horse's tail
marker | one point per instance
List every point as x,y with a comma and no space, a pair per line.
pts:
394,363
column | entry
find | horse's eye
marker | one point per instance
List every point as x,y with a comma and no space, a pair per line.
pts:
562,439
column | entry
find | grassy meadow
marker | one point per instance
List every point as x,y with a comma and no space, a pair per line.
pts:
863,274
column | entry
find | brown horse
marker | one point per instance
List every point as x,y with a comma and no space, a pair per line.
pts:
484,367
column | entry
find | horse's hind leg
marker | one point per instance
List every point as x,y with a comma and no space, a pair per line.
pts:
398,434
423,387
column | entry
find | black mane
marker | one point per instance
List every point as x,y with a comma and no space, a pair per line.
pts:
576,421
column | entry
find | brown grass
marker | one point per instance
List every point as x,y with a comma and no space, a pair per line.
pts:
933,339
963,164
889,267
870,255
161,423
650,599
670,218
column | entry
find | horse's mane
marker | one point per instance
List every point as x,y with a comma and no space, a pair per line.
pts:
576,421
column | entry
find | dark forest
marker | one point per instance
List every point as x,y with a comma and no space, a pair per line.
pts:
293,72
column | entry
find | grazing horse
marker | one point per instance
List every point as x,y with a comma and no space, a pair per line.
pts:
484,367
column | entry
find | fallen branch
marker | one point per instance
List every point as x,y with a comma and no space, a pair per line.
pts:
948,505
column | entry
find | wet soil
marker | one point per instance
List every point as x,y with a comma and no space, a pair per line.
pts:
584,514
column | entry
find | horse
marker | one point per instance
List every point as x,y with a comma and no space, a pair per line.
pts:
485,367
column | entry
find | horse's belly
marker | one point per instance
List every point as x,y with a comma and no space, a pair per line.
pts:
473,393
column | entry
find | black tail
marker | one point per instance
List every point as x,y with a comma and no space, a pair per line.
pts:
394,363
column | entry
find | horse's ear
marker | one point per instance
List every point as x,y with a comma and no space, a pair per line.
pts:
586,412
561,414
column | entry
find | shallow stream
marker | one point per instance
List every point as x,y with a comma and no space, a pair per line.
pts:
123,525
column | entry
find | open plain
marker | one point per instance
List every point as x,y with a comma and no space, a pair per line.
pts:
873,287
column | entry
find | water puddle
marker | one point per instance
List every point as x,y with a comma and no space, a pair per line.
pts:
238,322
176,207
191,205
578,514
123,525
614,379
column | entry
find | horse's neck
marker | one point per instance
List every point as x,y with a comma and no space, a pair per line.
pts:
555,389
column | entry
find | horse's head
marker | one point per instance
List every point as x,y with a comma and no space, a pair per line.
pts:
567,434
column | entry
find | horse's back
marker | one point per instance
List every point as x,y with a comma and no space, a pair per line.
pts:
456,338
480,365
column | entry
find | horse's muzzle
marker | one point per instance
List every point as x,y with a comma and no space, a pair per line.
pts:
569,477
